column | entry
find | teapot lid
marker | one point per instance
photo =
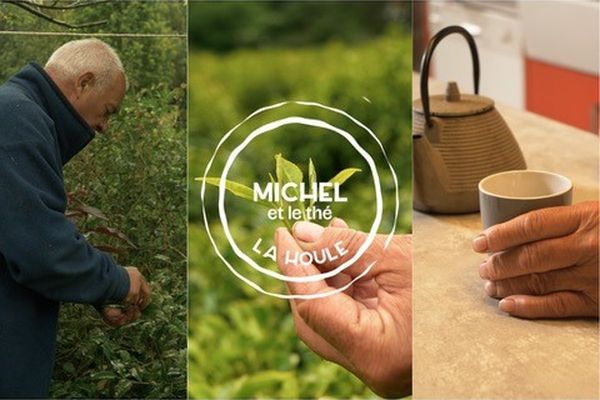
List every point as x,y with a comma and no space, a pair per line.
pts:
455,104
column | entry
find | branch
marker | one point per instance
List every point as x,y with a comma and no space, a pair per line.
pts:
73,5
30,8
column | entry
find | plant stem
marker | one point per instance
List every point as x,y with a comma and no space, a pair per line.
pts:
287,224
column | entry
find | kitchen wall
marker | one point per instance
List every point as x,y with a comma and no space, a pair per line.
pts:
541,56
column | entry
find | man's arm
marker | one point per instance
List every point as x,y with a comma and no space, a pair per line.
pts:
42,249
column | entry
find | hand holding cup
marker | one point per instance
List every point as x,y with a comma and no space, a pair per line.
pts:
544,264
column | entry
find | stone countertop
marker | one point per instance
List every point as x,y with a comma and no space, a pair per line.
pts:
464,347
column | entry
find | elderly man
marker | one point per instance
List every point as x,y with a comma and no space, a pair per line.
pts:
46,117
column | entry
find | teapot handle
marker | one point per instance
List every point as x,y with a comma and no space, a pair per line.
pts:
435,40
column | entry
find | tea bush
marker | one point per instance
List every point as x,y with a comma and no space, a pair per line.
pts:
136,176
242,343
225,26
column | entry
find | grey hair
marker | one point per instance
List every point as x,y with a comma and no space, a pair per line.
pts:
77,57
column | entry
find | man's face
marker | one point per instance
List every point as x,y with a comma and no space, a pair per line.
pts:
97,105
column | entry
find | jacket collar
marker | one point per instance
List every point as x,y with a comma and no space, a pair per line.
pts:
72,132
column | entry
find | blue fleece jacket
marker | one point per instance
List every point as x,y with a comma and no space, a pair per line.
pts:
43,259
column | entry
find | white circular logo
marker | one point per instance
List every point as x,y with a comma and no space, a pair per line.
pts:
268,127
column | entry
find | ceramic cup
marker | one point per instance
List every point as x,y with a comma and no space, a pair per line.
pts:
505,195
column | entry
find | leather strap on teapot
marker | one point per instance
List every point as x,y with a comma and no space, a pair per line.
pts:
435,40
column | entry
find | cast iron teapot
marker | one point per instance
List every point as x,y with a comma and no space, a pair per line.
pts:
458,139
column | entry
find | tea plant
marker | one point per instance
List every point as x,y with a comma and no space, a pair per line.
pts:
79,212
128,199
286,172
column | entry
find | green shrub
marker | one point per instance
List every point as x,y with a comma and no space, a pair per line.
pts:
136,176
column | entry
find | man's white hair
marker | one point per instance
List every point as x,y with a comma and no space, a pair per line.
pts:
77,57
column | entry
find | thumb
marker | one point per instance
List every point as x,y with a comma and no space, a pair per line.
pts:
554,305
335,245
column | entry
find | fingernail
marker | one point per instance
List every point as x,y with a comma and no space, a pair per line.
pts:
307,231
483,272
507,305
480,243
490,288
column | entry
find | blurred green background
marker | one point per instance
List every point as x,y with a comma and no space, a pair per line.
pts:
136,175
354,56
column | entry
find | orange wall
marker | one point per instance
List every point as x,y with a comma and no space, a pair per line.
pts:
562,94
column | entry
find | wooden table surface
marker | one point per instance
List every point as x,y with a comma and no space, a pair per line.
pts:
464,347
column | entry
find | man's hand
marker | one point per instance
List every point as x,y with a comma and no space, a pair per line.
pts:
139,290
118,316
137,299
544,264
367,328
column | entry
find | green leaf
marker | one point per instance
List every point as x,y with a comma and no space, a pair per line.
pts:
287,171
312,177
162,257
265,382
237,189
103,375
122,388
344,175
275,204
69,367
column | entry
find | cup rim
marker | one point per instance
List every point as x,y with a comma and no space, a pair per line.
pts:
500,196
